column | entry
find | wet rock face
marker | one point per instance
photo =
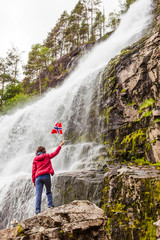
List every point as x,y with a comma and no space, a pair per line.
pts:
131,201
78,220
79,185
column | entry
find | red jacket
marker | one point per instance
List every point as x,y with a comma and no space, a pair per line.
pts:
42,164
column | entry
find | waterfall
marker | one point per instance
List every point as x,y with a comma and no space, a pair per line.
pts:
25,129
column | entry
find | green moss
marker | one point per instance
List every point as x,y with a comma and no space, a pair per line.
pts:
149,102
147,114
80,139
125,52
20,230
108,226
119,197
137,136
70,235
123,90
149,231
108,114
118,207
51,68
65,71
139,161
156,120
131,103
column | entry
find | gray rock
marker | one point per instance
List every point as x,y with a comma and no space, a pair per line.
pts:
78,220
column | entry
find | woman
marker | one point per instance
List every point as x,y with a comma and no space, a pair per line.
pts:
41,170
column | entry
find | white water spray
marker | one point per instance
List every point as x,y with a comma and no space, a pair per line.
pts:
22,132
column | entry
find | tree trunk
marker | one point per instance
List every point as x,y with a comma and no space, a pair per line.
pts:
103,21
40,84
16,66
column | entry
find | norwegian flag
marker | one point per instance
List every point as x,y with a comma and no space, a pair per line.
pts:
57,128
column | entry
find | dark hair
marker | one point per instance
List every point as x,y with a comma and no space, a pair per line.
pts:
41,149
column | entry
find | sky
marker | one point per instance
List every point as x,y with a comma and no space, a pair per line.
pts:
27,22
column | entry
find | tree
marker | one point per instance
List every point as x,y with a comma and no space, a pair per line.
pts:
92,7
125,5
113,21
84,31
12,90
12,60
75,20
4,77
56,38
39,59
98,24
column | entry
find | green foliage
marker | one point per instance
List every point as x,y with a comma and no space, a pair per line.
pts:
125,5
45,83
15,101
12,60
12,90
39,59
113,21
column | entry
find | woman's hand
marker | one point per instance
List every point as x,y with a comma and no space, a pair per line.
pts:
61,144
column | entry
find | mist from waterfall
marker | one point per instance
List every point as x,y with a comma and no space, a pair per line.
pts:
24,130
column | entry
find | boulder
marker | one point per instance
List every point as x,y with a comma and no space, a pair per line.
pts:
77,220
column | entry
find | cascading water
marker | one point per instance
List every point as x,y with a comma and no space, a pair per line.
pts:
27,128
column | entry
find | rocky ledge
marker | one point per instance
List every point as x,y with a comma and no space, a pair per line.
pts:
77,220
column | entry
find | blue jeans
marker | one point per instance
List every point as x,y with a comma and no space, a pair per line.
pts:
40,182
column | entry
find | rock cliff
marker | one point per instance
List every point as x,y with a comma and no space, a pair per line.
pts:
130,102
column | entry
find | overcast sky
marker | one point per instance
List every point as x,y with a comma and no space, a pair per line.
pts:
27,22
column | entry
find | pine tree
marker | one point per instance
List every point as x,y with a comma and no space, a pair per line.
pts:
92,8
12,60
75,21
4,78
39,59
113,21
98,24
56,38
84,31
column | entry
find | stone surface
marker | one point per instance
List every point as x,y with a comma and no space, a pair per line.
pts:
78,220
81,185
129,103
